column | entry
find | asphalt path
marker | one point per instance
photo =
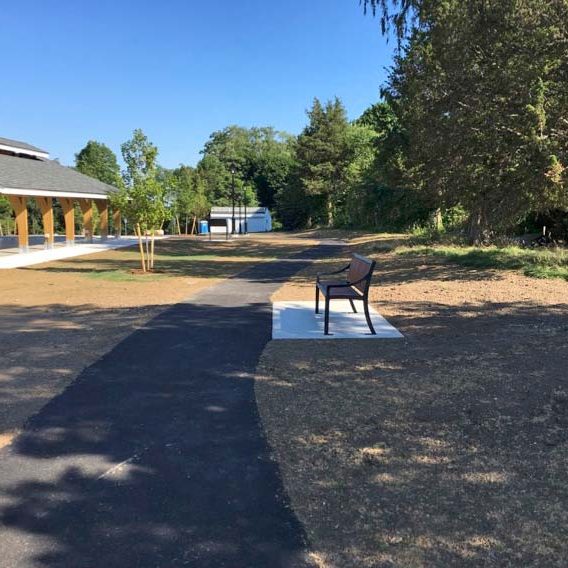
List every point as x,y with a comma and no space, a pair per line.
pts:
155,456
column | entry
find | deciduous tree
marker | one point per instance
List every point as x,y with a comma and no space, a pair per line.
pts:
143,200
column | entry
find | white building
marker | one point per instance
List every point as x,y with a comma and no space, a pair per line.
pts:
258,219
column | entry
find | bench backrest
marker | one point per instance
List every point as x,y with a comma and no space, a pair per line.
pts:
361,267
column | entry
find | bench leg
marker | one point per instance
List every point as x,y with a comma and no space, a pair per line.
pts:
368,318
317,300
326,321
352,306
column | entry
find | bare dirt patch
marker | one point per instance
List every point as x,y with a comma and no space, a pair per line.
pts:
446,449
59,318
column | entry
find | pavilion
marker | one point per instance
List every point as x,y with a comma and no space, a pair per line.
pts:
26,172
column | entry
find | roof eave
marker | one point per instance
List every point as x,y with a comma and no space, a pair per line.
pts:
24,151
50,193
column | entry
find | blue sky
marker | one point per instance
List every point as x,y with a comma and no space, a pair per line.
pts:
76,70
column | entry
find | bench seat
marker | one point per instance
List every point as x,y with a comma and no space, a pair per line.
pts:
338,293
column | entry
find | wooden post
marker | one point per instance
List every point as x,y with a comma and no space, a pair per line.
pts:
45,205
69,216
87,211
116,221
19,206
102,206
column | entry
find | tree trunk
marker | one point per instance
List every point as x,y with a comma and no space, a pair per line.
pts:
186,224
138,232
147,240
477,227
193,226
329,211
437,220
152,250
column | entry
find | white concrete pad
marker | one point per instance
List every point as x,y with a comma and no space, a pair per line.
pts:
297,320
19,260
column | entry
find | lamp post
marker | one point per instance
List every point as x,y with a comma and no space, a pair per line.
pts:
240,215
245,199
233,171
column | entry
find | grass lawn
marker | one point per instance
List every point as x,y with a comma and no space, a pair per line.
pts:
447,448
532,262
537,263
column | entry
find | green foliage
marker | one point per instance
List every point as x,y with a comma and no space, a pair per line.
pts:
139,155
249,196
352,203
323,156
98,161
378,196
379,117
144,204
6,215
271,171
479,91
187,194
261,158
470,134
216,179
395,14
293,206
350,175
142,200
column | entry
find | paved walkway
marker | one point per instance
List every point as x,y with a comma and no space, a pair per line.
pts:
155,456
12,258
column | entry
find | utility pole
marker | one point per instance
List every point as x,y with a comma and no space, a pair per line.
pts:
240,215
233,171
245,197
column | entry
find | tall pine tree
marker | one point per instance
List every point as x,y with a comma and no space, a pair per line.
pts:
323,155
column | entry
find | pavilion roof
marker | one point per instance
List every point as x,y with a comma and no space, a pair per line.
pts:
18,145
24,176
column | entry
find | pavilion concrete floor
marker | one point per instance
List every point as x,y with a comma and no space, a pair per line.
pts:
12,258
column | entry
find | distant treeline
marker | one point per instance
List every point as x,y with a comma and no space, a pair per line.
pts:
470,134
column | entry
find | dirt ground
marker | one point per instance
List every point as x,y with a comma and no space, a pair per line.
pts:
446,448
60,317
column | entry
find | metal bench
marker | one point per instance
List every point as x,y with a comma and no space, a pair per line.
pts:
355,287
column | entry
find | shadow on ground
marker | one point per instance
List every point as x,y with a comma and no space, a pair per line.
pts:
181,257
192,482
155,455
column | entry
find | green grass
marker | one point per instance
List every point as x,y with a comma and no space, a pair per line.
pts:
165,256
535,263
122,276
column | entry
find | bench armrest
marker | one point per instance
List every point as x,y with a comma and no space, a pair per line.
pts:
357,281
331,273
347,284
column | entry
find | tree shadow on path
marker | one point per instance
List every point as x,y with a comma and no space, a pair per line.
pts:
155,455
